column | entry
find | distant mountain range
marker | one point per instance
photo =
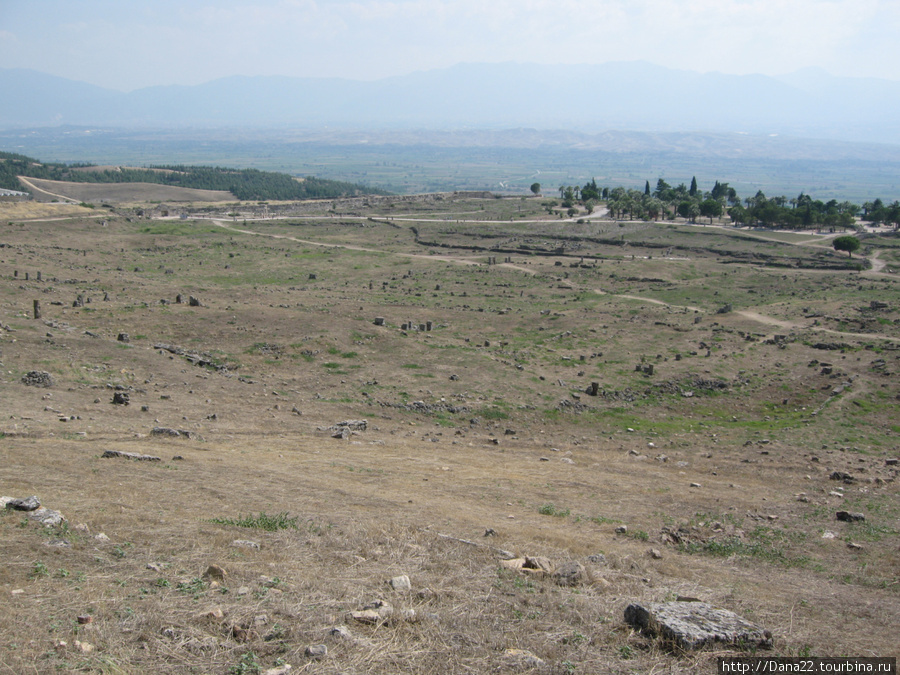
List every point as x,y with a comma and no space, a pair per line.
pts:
586,98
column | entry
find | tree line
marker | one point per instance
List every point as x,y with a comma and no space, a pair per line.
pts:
244,184
691,203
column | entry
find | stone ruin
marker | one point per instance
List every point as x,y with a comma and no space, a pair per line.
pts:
37,378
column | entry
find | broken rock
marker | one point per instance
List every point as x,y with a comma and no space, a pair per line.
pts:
317,651
27,504
245,543
46,517
375,612
848,517
215,572
171,433
522,658
400,583
693,625
570,574
279,670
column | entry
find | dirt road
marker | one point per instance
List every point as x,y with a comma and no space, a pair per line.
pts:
27,183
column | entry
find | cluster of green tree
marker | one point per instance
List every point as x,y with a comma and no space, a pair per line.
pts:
879,212
13,165
691,203
244,184
801,213
663,202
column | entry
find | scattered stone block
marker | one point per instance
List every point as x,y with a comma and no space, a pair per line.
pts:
83,647
47,517
522,659
215,613
171,433
849,517
377,611
347,427
44,516
216,572
341,632
400,583
570,574
245,543
538,562
841,476
316,651
279,670
25,504
693,625
130,455
37,378
513,563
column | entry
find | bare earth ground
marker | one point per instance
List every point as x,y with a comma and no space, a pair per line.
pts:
718,463
116,193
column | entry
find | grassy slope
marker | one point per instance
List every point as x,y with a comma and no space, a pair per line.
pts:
373,506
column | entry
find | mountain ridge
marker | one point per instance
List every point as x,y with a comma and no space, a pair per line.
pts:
615,96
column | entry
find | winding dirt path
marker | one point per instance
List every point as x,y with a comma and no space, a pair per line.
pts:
349,247
650,300
768,320
748,314
27,183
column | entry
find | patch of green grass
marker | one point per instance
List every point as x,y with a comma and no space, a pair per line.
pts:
762,543
602,520
39,569
263,521
551,510
867,531
194,587
248,665
493,414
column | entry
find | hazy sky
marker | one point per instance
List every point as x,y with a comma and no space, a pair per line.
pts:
128,44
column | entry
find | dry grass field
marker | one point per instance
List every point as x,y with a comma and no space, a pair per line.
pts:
771,371
31,210
117,193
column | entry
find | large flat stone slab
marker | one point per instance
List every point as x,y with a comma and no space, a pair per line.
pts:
692,625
